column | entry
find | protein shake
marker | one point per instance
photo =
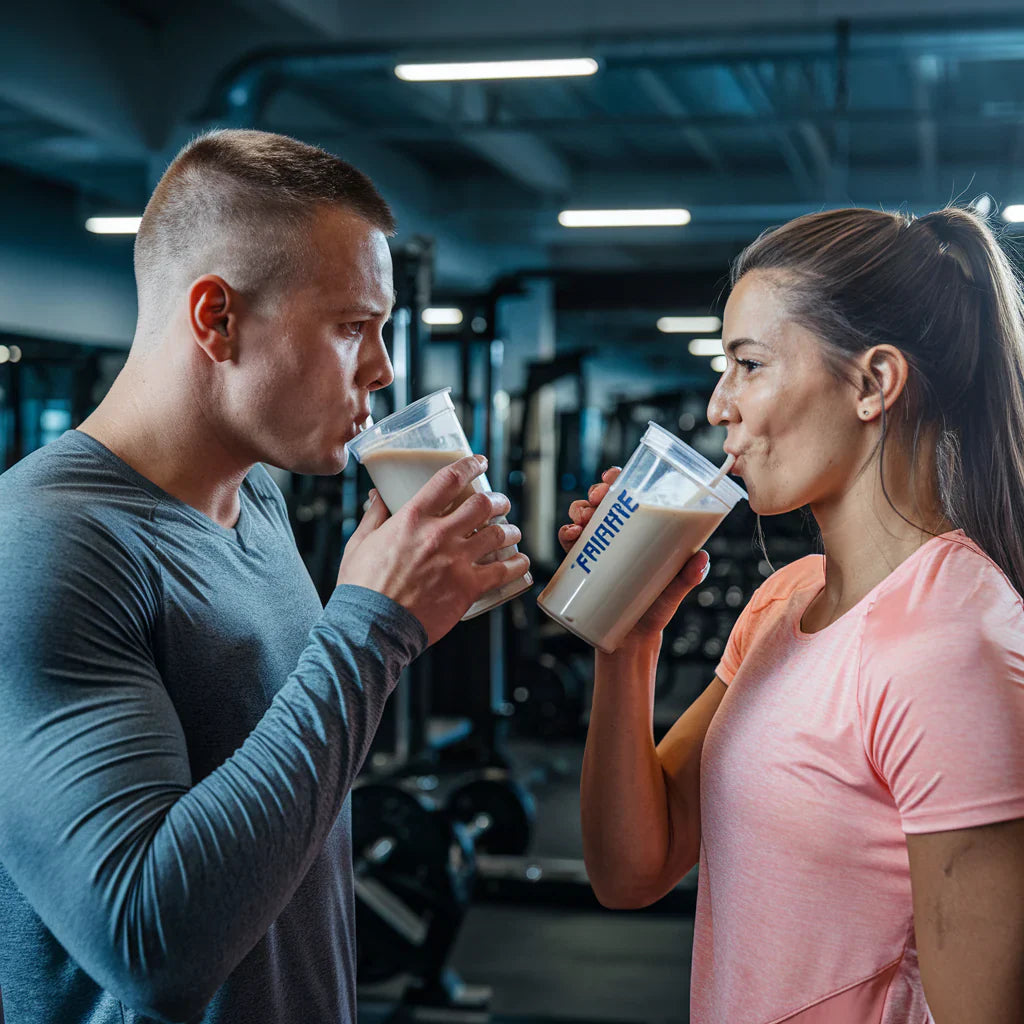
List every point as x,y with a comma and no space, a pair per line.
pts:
403,451
658,513
398,473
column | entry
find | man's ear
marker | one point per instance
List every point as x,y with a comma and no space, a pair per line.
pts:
883,376
211,318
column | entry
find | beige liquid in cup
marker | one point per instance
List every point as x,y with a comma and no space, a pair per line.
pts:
606,583
398,473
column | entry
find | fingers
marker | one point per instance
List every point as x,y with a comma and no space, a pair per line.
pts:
568,535
609,476
497,574
491,539
376,513
690,576
478,510
445,487
580,512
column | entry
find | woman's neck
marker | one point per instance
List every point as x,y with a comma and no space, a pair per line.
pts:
865,539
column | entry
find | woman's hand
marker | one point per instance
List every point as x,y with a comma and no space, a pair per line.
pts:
658,616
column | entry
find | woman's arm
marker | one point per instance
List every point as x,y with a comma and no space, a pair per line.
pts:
968,888
640,806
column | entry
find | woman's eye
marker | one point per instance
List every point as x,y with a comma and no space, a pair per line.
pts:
748,364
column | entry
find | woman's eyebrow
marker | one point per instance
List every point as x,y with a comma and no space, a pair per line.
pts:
734,343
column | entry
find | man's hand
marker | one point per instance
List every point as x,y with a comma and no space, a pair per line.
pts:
658,616
428,562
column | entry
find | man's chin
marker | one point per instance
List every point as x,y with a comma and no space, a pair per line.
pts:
324,465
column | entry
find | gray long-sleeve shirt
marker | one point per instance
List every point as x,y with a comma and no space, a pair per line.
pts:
180,724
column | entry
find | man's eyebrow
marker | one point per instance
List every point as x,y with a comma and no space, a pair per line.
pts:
734,343
359,312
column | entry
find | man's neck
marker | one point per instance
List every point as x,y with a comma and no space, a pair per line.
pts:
163,434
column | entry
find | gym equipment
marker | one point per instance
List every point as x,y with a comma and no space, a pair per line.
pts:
416,868
414,876
547,695
497,809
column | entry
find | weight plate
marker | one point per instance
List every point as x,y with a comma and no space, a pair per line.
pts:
413,878
505,802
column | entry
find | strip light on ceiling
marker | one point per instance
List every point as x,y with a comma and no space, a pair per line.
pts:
706,347
689,324
440,316
1014,214
113,225
623,218
494,69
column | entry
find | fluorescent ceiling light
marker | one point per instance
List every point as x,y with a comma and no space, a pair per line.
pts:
113,225
719,363
706,347
623,218
689,324
438,316
486,69
1014,214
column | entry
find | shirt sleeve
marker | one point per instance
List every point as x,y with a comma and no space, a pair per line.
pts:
156,886
942,697
778,587
739,638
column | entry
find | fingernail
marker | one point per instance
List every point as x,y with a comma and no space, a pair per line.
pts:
704,572
482,459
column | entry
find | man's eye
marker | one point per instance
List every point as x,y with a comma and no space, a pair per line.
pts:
353,330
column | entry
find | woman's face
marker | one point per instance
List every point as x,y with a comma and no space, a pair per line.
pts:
793,427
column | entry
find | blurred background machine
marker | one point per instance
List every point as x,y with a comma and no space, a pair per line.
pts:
560,344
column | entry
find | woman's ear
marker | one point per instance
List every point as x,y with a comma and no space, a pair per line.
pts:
882,374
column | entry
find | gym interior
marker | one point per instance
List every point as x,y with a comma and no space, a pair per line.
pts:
560,344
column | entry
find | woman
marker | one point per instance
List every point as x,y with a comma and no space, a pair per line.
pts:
852,780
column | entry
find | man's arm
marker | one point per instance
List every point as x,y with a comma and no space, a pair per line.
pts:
158,888
968,888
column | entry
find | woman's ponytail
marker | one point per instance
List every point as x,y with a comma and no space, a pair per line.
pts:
983,442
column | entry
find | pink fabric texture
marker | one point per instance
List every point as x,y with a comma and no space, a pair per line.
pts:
903,716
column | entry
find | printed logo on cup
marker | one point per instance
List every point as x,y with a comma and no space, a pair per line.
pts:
615,518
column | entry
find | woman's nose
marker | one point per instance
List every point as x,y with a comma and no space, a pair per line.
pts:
718,407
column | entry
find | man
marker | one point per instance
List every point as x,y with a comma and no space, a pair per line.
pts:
181,720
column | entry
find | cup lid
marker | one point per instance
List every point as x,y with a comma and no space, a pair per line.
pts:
413,415
689,461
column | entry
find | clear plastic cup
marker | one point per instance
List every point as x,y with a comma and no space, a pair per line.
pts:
658,513
404,450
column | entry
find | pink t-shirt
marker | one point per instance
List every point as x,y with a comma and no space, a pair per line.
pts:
903,716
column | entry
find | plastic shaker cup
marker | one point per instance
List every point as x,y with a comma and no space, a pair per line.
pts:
663,506
404,450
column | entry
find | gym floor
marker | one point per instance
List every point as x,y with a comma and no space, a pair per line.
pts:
547,964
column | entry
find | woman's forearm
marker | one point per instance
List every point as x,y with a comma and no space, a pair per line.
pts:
623,797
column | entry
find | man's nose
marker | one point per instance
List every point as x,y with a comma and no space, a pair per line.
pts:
378,372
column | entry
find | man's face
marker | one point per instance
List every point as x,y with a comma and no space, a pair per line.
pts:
308,363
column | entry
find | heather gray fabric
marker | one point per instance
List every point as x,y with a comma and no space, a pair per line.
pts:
180,724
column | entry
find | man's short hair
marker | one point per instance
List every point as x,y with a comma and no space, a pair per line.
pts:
239,203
